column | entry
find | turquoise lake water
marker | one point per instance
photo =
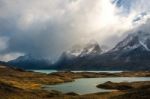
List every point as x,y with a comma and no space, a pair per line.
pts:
52,71
45,71
88,85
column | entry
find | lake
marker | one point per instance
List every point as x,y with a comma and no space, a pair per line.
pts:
52,71
88,85
44,71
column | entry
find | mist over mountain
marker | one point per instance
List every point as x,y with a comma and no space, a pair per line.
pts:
31,62
132,53
83,50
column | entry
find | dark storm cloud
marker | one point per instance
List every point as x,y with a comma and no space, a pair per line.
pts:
37,37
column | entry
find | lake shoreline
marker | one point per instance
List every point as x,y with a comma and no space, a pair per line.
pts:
27,84
83,86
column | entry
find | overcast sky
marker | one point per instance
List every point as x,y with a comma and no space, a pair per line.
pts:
46,28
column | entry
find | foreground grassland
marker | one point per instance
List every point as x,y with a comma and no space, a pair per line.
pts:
20,84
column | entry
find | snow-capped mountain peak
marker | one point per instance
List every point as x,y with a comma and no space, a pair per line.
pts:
90,48
133,41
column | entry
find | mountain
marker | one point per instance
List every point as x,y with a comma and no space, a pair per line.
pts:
132,53
84,50
74,57
30,62
134,41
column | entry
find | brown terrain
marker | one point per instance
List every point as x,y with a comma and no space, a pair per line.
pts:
20,84
132,90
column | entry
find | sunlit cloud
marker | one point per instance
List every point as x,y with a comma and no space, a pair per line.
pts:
49,27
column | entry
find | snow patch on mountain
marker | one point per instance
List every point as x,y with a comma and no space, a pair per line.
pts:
145,46
91,48
133,41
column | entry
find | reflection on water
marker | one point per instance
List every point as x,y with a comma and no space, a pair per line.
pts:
88,85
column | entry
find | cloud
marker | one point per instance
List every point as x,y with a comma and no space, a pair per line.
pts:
49,27
9,56
3,43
